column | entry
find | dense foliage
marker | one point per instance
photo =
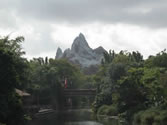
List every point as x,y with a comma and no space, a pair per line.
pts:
127,85
43,78
47,79
12,68
131,84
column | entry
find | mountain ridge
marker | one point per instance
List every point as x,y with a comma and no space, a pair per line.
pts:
81,53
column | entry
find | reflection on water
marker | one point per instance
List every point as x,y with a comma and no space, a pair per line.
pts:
74,117
83,123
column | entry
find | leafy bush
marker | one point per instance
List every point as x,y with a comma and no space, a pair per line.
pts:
151,117
107,110
112,110
102,110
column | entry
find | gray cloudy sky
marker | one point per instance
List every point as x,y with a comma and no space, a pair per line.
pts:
114,24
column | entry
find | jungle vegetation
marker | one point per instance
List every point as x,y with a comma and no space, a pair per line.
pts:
127,85
133,88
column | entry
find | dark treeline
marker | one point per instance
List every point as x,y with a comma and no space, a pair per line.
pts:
43,78
12,75
127,85
133,88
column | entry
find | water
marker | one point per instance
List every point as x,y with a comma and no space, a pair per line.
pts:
74,117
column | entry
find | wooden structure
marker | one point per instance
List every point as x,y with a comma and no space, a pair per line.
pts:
79,92
22,93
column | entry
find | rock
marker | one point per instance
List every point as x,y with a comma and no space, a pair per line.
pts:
99,51
80,43
59,53
81,54
67,53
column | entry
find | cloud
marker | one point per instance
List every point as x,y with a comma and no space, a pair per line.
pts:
38,39
115,37
151,13
114,24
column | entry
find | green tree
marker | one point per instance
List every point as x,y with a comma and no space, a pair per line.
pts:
10,105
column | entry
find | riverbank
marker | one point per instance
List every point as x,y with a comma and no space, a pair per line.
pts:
74,117
45,112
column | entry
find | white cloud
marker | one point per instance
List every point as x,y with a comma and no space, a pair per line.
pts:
117,25
110,36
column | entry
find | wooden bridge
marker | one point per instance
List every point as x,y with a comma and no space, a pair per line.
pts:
79,92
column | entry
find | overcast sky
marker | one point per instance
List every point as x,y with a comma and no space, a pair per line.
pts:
114,24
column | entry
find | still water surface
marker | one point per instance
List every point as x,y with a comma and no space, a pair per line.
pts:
74,117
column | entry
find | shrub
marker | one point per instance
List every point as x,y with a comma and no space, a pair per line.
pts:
102,110
112,110
107,110
151,116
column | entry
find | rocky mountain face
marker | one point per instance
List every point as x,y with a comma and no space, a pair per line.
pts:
81,54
